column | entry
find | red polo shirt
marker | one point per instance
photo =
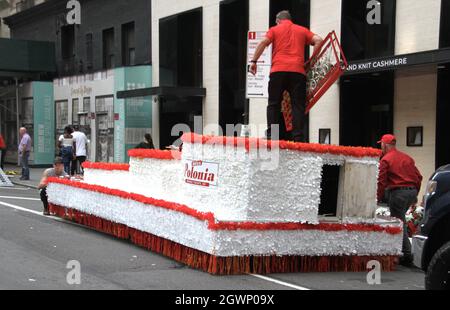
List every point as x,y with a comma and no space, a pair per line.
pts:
397,170
288,47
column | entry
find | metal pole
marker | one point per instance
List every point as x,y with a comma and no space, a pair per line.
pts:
17,120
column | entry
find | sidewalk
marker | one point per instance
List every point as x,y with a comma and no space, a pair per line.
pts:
35,176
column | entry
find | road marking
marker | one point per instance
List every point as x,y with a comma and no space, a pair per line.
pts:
39,213
20,208
15,188
300,288
19,198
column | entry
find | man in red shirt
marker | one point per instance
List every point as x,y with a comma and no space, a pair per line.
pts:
288,71
2,151
399,183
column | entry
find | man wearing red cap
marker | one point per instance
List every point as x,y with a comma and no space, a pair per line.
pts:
399,183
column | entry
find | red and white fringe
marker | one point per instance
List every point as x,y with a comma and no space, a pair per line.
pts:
224,265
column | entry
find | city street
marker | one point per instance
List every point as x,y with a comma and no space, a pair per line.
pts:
35,251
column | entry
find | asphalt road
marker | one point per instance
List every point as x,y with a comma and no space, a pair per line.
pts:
35,250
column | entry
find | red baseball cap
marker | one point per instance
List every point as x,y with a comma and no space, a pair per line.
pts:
388,139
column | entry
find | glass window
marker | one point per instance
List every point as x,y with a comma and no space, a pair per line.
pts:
89,52
75,111
62,117
108,48
181,46
361,40
299,9
128,44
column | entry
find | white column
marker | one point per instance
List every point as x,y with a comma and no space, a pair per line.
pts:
415,106
259,21
417,26
326,17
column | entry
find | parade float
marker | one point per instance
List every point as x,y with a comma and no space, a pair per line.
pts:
228,205
239,205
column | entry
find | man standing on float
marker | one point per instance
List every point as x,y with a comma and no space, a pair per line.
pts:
288,71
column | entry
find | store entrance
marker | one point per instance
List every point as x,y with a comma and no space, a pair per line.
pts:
366,114
175,115
443,117
234,21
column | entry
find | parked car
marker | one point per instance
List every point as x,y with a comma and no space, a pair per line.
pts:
431,246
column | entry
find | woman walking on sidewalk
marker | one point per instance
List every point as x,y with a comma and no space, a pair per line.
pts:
67,148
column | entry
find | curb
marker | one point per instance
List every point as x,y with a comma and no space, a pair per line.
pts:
24,184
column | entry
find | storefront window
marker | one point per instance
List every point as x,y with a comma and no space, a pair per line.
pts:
104,110
62,117
26,116
75,111
445,24
181,49
362,39
8,125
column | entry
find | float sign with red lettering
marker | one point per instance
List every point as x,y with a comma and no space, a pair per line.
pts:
201,173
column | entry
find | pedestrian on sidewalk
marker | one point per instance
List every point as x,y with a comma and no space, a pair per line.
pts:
56,171
288,72
399,183
67,148
147,144
24,153
81,142
2,151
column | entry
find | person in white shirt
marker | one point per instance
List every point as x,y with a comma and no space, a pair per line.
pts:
81,142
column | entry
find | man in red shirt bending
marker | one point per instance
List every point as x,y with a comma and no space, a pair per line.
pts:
399,183
288,71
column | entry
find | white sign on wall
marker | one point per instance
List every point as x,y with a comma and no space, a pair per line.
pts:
257,85
201,173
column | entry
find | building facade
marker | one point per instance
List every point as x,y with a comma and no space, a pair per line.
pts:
108,51
399,67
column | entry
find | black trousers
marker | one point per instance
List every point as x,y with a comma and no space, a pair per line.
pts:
399,203
44,199
77,165
295,84
2,158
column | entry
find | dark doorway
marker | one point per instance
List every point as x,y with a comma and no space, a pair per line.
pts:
233,61
301,15
443,117
330,188
366,114
181,65
299,9
445,24
361,40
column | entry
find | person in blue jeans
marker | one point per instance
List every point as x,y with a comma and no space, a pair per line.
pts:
67,148
24,153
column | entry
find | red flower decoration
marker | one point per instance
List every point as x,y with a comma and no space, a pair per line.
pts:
106,166
155,154
255,143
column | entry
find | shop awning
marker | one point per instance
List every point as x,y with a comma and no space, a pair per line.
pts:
163,91
437,57
21,58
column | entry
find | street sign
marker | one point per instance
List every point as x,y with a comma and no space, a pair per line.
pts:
257,85
4,180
